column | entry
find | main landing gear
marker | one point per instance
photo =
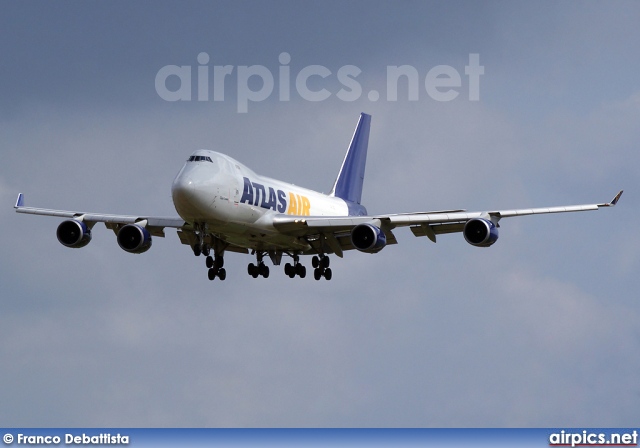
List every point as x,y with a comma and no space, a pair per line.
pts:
259,269
215,263
321,267
295,269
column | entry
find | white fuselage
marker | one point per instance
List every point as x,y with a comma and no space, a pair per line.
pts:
218,192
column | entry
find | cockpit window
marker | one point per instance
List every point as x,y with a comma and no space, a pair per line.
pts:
199,159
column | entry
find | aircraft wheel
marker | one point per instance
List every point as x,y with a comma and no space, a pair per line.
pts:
303,271
219,261
209,261
222,273
287,269
327,274
265,271
205,250
325,262
196,250
317,273
251,269
212,274
315,262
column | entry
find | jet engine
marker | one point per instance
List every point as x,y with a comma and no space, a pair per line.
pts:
134,239
73,233
368,238
480,232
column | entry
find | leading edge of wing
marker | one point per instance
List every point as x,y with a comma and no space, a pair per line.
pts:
560,209
417,218
152,221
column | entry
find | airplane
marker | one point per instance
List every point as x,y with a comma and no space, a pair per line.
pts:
224,206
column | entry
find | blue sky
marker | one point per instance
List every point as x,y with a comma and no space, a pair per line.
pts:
538,330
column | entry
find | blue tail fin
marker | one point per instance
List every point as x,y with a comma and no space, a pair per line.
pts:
348,185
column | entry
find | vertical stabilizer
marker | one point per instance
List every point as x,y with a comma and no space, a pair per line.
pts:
348,185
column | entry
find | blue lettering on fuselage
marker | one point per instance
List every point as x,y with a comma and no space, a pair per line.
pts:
282,201
256,194
247,192
259,195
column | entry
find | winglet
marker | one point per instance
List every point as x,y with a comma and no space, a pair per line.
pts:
19,201
615,200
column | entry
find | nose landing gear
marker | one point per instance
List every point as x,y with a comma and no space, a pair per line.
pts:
205,244
215,266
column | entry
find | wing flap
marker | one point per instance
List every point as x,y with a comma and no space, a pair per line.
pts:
431,230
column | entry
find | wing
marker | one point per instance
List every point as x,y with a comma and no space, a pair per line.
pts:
155,225
333,233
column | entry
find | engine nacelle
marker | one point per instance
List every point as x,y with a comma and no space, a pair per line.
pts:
73,233
480,232
368,238
134,239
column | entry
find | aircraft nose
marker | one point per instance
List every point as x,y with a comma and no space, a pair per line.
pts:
182,190
183,193
192,197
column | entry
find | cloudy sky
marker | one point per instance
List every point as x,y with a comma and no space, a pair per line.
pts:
539,330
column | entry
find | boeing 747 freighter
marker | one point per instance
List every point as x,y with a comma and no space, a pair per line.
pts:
224,206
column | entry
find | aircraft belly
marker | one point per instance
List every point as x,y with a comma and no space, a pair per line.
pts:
261,241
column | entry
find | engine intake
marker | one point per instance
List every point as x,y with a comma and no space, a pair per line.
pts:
480,232
74,234
134,239
368,238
